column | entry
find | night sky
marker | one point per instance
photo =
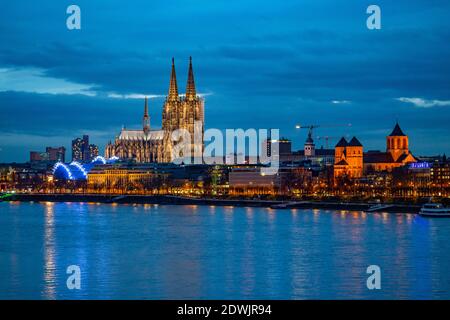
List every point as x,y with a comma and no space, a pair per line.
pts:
259,64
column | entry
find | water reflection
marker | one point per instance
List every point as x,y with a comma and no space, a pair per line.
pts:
49,252
199,252
249,213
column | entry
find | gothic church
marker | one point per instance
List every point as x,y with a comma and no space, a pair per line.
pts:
179,112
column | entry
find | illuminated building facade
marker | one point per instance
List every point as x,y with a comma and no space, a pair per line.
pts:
76,170
93,152
21,177
116,178
147,145
82,151
51,155
319,156
348,158
250,181
283,145
397,153
440,173
352,162
79,146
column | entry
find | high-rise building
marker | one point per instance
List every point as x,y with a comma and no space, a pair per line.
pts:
51,154
282,145
37,156
440,173
85,148
56,154
82,151
77,149
93,151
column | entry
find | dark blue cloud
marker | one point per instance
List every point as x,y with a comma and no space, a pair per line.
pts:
267,64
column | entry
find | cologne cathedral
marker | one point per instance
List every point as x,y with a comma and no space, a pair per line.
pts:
179,112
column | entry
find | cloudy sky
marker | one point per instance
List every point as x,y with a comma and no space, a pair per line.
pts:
260,64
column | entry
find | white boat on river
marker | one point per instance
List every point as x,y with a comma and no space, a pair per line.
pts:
434,210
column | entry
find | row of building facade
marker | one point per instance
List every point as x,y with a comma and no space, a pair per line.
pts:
419,179
146,157
82,151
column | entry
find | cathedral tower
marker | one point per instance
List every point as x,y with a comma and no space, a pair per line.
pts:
184,113
146,118
190,87
173,87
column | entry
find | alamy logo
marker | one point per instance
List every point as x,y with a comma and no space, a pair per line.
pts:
74,280
236,142
374,280
73,22
374,20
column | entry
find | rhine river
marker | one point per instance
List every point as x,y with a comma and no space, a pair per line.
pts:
206,252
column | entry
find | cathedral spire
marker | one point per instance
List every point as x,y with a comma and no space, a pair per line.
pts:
190,88
173,89
146,118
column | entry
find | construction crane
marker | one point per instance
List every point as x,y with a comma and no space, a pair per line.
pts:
327,139
309,127
314,126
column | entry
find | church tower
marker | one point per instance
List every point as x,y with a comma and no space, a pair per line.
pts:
173,87
339,150
184,113
309,148
191,94
193,107
397,143
340,165
348,158
354,158
146,118
170,119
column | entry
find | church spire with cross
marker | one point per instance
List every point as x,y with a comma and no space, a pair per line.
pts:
146,118
173,88
190,87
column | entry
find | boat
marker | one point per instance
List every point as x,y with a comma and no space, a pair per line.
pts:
115,199
434,210
279,206
378,207
5,196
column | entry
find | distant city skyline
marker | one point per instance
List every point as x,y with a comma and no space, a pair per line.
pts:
287,63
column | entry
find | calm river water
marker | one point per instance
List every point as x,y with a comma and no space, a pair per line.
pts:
206,252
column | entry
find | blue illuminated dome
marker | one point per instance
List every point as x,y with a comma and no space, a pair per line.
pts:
78,171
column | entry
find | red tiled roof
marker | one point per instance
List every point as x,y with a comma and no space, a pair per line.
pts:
378,157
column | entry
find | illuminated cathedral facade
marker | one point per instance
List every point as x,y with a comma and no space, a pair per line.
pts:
179,112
